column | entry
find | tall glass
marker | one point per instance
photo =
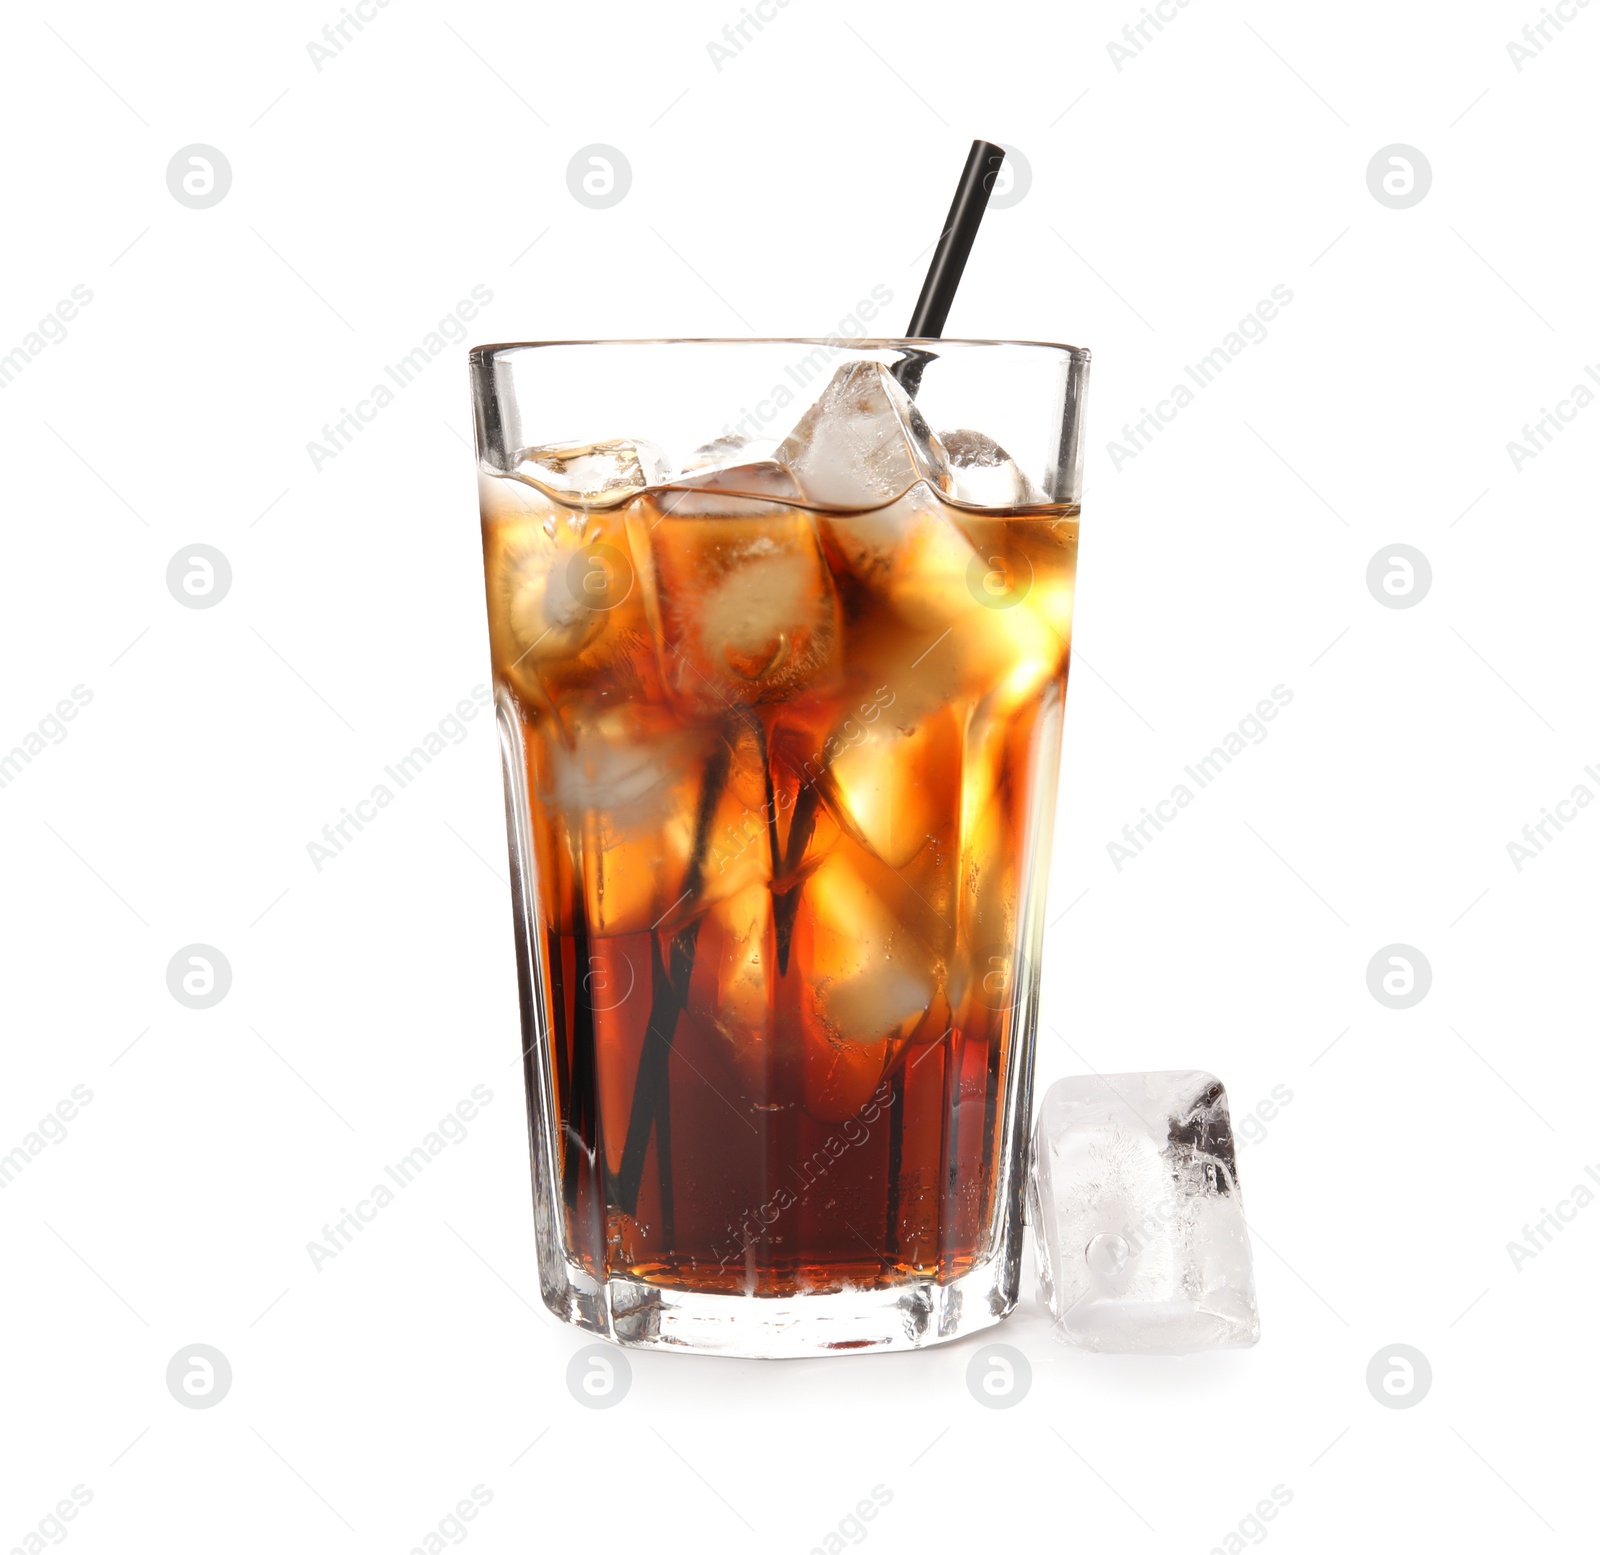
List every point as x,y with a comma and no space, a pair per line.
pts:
780,633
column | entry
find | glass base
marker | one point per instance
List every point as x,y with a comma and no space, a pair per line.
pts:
911,1316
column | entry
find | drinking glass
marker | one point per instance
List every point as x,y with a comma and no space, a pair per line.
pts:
780,633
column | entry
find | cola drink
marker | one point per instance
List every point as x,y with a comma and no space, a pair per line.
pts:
782,729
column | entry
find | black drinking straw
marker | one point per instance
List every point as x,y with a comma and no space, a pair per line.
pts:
955,242
927,323
650,1111
950,256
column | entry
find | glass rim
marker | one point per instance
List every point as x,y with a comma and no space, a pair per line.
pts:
872,343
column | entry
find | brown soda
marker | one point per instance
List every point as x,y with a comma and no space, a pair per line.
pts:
779,768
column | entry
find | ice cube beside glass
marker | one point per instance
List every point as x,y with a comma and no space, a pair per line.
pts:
1139,1228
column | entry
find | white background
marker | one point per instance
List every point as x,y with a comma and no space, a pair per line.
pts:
769,196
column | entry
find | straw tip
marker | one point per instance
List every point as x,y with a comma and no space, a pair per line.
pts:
955,242
991,151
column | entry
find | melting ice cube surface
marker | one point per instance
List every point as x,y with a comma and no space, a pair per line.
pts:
981,471
1139,1231
863,442
591,474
